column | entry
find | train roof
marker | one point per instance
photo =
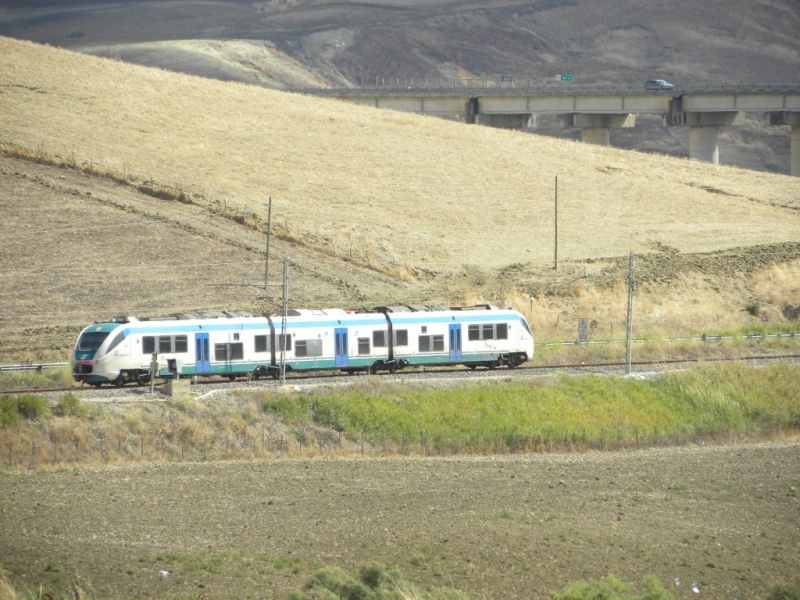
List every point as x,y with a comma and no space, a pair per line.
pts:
420,308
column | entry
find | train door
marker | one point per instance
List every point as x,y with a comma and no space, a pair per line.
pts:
455,343
340,337
202,354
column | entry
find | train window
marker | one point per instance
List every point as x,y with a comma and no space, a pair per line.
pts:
424,329
261,343
164,344
400,337
308,348
115,342
181,344
148,344
431,343
91,340
488,332
225,352
363,345
285,340
236,337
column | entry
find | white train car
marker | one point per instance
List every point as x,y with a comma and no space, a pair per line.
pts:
239,344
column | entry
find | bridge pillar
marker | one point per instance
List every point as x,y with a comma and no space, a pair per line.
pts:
507,121
600,136
595,128
704,130
793,120
704,144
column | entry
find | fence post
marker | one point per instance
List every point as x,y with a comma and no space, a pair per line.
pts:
55,452
10,448
33,455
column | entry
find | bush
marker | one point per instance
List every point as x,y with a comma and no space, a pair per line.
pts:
26,406
785,591
753,308
376,582
69,405
611,588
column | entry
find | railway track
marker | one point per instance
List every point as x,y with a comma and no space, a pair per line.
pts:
639,368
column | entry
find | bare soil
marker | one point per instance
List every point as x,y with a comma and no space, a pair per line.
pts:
723,517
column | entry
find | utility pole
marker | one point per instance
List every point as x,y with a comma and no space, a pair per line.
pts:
555,219
269,230
284,308
629,333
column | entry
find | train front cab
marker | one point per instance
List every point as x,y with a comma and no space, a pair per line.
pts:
92,346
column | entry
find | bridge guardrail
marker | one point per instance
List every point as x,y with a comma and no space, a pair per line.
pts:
493,87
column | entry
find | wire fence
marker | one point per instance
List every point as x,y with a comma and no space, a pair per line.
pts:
33,449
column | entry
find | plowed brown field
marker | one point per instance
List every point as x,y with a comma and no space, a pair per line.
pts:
495,527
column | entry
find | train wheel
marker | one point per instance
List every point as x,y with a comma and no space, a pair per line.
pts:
472,367
120,380
143,379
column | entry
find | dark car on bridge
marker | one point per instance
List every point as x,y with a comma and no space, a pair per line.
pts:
655,85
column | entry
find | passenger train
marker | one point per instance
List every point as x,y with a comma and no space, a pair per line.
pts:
237,344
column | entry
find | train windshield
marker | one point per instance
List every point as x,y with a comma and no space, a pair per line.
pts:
91,340
525,325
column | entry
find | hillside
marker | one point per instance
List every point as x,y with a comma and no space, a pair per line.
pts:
372,206
310,43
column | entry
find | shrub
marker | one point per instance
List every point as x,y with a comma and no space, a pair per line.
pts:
376,582
69,405
785,591
26,406
611,588
753,308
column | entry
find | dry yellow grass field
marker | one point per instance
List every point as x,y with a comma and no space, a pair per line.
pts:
402,206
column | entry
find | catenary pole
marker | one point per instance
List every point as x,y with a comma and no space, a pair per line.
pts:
284,314
269,230
629,332
555,224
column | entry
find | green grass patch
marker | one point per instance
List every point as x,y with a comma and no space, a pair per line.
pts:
47,378
719,398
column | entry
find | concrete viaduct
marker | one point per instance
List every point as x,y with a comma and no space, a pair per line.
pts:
703,108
